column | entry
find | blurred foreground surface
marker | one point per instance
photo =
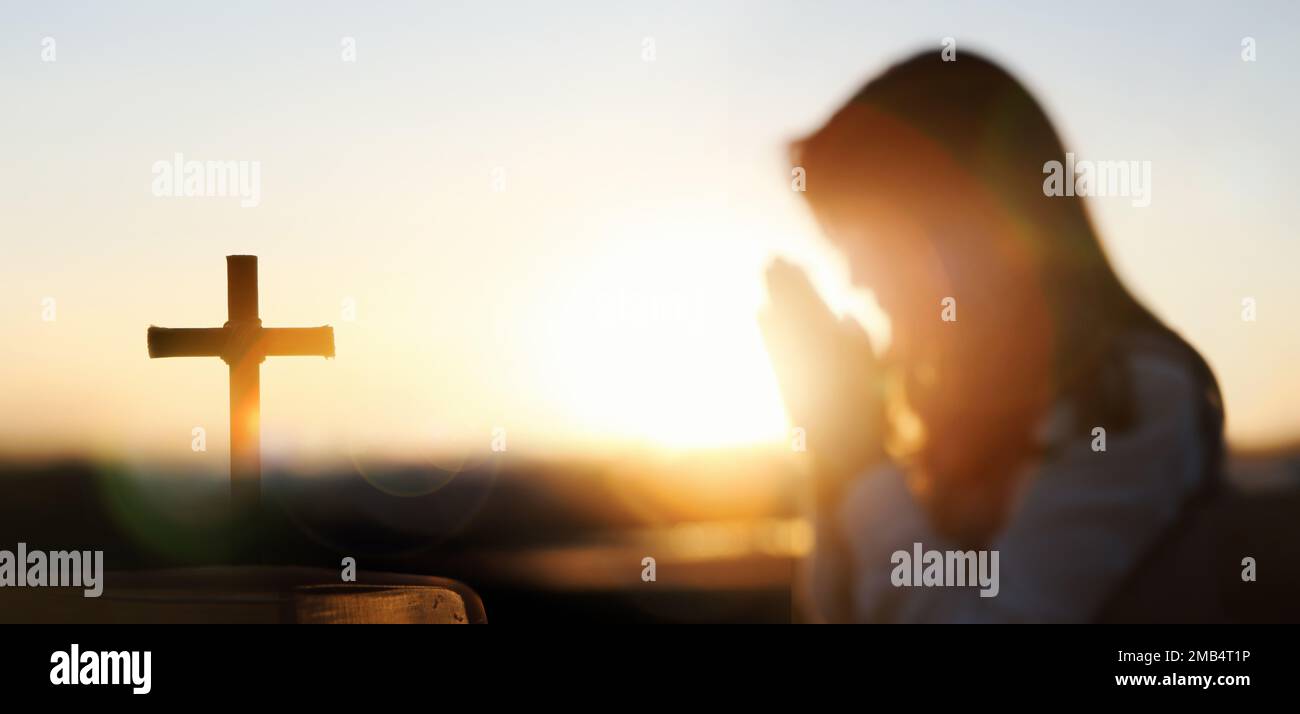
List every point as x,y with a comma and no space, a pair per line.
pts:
541,542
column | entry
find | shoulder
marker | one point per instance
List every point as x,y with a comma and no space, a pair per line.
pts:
1164,376
1160,456
1175,401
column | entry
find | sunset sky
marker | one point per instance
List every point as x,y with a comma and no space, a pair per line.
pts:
606,296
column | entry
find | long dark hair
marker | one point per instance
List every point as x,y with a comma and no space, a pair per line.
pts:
987,124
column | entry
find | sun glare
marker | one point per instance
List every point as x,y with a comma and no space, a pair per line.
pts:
655,341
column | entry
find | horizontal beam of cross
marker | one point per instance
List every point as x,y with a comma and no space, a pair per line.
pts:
222,341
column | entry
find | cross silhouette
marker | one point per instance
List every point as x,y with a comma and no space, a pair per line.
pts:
242,343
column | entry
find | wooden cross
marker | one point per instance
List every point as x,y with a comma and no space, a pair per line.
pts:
242,343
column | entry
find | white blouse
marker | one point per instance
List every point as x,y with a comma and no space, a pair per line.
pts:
1084,521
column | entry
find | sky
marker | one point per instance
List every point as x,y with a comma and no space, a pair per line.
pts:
552,218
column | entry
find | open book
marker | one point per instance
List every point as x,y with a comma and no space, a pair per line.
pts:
250,595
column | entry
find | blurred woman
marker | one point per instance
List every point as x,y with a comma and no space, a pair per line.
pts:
1027,403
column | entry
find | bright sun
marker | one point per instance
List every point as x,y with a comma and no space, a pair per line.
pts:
656,341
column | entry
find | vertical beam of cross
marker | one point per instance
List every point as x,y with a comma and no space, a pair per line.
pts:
243,327
243,343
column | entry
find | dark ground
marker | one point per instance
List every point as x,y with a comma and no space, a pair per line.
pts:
543,543
536,543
